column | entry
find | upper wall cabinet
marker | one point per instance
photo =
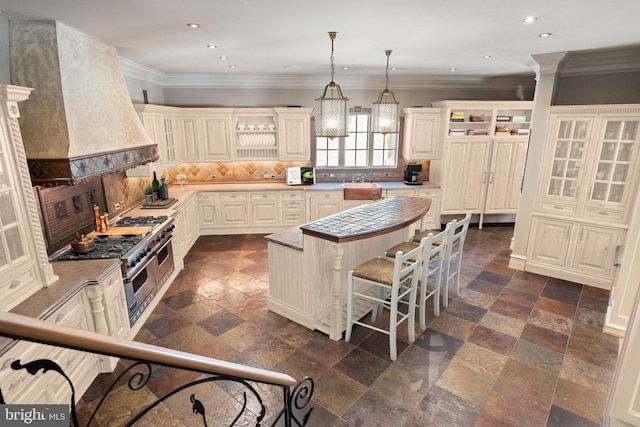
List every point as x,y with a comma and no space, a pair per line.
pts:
225,135
421,133
294,133
215,136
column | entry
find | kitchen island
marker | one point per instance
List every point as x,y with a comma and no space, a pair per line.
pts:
308,265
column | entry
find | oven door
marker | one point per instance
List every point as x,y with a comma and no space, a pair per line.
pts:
140,289
164,264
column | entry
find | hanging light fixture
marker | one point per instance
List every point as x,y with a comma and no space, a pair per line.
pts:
331,107
385,109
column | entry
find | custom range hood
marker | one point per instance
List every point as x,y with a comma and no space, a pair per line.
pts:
79,122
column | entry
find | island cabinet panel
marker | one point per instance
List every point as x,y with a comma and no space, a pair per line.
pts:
309,265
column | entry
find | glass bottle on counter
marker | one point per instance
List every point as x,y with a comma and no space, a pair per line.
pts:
155,184
163,191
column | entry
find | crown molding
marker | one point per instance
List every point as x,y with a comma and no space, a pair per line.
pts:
608,61
135,71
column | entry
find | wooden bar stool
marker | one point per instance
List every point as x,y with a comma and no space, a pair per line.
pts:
382,283
432,269
454,251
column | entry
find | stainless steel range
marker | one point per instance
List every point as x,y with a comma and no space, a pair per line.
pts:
146,258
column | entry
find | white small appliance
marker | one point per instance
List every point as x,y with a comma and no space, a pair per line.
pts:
300,176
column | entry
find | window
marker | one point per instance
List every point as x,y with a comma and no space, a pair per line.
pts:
361,149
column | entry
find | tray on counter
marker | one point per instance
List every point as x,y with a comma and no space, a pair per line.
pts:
159,204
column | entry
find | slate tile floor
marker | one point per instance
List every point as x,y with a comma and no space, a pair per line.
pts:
513,349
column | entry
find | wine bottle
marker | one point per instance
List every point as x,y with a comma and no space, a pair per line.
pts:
155,184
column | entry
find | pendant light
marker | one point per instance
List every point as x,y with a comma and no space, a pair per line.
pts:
331,107
385,109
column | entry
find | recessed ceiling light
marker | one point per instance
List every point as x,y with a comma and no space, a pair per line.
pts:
530,19
543,35
487,56
224,57
452,69
193,25
232,66
345,68
212,46
393,69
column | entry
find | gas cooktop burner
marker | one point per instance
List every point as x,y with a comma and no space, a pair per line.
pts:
129,221
106,247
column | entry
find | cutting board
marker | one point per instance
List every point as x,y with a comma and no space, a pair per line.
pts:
121,231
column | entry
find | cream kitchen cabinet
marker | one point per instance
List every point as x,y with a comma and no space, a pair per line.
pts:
233,209
505,175
466,175
207,203
20,387
159,122
422,140
215,133
325,203
590,180
294,134
265,209
292,208
24,265
573,251
188,218
186,126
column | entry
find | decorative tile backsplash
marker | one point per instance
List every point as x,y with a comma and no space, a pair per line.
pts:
126,192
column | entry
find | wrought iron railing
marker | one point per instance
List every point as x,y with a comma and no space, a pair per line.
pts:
247,381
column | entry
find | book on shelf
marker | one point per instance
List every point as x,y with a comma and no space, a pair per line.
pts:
456,132
478,132
502,133
523,131
519,119
503,118
457,116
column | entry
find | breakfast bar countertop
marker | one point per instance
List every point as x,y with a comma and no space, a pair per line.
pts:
369,220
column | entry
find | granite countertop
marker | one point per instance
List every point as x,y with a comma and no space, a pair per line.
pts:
369,220
73,276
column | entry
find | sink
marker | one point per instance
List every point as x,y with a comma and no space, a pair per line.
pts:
362,191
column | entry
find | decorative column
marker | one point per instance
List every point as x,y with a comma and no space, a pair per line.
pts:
547,66
335,328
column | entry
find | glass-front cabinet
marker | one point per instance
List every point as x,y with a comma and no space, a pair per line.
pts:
566,157
589,185
612,175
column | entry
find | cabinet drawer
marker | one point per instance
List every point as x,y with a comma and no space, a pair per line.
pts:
264,196
293,205
73,313
113,280
292,195
17,285
335,195
557,208
604,214
293,218
233,196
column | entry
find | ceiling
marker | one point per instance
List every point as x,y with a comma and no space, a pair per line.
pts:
288,40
